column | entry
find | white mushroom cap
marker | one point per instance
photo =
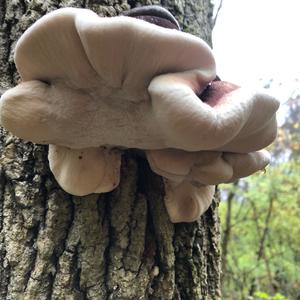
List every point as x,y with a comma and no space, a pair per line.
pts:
206,167
186,202
244,165
31,110
237,121
103,74
85,171
189,176
97,72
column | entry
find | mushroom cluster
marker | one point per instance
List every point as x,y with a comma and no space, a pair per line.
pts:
93,86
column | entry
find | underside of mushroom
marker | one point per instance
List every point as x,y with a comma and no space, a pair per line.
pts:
92,86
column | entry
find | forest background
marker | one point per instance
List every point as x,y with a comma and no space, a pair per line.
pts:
261,214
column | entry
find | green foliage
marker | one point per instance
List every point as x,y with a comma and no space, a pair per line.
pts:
264,296
264,244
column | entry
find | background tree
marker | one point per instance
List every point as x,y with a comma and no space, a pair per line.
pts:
260,223
118,245
287,145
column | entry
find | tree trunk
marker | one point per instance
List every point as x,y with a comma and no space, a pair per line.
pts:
118,245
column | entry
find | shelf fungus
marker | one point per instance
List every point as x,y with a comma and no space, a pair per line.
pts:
92,86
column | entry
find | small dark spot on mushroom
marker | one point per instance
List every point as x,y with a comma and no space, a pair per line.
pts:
46,82
79,157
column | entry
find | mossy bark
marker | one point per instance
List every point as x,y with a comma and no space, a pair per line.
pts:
118,245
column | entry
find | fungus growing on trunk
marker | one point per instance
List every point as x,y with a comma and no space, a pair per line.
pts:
92,86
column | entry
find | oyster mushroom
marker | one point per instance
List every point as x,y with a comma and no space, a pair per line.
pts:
91,85
190,176
85,85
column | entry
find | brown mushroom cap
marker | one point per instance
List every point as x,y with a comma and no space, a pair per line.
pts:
154,14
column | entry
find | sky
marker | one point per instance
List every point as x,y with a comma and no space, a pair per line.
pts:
255,41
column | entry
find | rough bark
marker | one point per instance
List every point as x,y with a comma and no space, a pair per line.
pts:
118,245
